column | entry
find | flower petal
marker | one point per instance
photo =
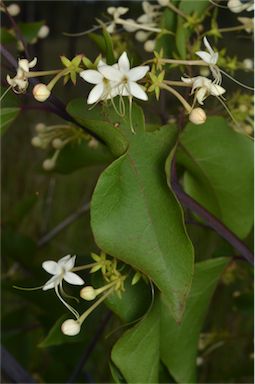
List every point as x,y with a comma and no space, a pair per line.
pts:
123,62
207,45
95,94
24,65
206,57
110,72
217,90
201,95
51,283
33,62
91,76
70,263
137,91
51,267
72,278
138,73
64,260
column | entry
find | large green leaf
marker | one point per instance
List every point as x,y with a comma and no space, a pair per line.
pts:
219,172
197,6
30,31
136,218
136,353
178,343
7,116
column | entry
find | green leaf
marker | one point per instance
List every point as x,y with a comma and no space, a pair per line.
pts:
189,7
219,172
167,41
136,353
178,343
5,36
182,35
137,219
110,59
29,31
78,155
7,116
21,209
101,124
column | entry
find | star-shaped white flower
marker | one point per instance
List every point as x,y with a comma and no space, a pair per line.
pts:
61,270
209,57
204,87
115,12
238,6
104,88
19,83
125,77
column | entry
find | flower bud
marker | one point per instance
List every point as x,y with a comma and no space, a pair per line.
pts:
248,64
163,3
88,293
57,143
40,127
141,36
197,116
48,164
41,92
243,108
130,28
43,32
13,9
70,327
149,46
36,141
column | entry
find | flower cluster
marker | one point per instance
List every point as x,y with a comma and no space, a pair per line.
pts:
19,82
115,80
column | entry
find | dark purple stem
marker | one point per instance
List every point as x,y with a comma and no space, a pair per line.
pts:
208,217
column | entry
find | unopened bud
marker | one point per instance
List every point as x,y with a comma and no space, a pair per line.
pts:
43,32
88,293
70,327
36,141
13,9
149,46
243,108
141,36
57,143
248,64
41,92
48,164
130,27
40,127
163,3
197,116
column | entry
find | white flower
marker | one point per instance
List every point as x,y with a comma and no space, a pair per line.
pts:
204,86
43,32
238,6
19,83
104,88
115,12
61,270
125,77
211,59
13,9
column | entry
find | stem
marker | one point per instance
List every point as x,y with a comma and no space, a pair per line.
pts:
230,29
177,10
5,92
136,25
208,217
96,304
43,73
55,79
177,94
82,267
177,83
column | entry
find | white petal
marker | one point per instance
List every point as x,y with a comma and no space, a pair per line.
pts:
137,91
188,80
24,65
201,95
33,62
51,267
51,283
100,63
95,94
138,73
207,45
70,263
110,73
217,90
236,6
64,260
206,57
123,62
214,58
91,76
72,278
9,80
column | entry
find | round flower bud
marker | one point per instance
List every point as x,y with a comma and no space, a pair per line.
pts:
248,129
149,46
13,9
36,141
40,127
130,28
163,3
141,36
70,327
88,293
57,143
48,164
41,92
197,116
243,108
248,64
43,32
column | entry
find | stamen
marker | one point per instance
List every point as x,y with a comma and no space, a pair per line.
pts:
236,81
71,309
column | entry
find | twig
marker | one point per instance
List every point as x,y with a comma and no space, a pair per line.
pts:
89,349
67,221
209,218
